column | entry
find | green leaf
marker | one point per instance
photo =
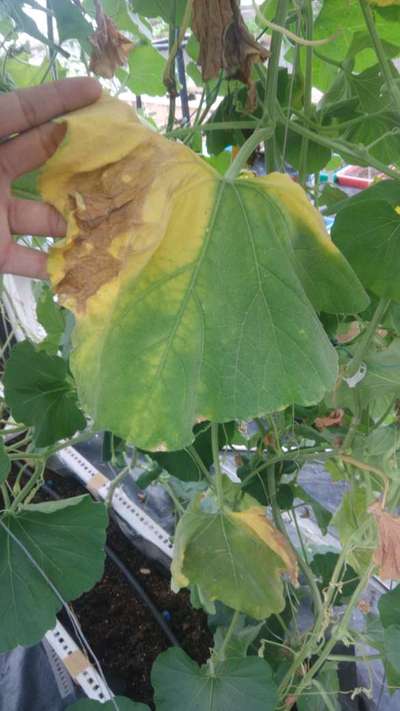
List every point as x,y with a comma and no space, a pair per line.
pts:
366,231
66,540
51,317
121,702
383,374
389,608
332,199
348,520
71,23
171,11
237,558
322,515
342,20
40,393
237,684
146,69
23,21
317,155
26,186
328,679
5,463
243,636
181,464
323,565
392,646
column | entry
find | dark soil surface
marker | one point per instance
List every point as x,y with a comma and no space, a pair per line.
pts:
119,628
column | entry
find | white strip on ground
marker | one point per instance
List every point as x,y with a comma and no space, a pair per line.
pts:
133,515
77,664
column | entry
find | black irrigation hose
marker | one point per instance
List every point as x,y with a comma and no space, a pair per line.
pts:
134,583
131,580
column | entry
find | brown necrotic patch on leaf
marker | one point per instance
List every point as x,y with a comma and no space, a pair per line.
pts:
110,47
225,42
106,205
387,554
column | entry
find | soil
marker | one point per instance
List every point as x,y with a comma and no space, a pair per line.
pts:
123,634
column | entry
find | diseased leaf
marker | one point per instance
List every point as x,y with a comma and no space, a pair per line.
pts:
332,420
66,540
225,42
237,684
387,554
191,292
248,557
110,49
40,393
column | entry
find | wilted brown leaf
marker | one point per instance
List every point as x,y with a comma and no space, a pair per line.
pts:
387,554
225,42
334,418
110,47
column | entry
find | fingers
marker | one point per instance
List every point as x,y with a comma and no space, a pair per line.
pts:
27,108
30,150
27,217
24,262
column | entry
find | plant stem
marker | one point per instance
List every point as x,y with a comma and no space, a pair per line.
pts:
294,454
115,484
380,52
351,658
29,486
259,135
354,423
192,452
217,465
228,636
171,493
272,162
6,498
338,633
217,126
279,523
366,338
339,146
308,73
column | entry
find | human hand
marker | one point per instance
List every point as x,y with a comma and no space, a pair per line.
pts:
27,113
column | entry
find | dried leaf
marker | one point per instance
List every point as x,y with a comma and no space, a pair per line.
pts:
225,42
110,47
334,418
387,554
